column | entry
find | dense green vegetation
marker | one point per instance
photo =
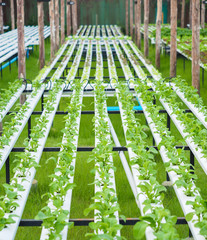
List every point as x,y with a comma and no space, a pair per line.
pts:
83,192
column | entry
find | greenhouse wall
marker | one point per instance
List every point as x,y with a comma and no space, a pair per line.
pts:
95,12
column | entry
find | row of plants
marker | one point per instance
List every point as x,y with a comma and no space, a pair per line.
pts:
55,215
98,31
178,163
7,94
184,38
26,162
189,126
154,215
92,34
10,95
183,177
15,126
106,207
191,96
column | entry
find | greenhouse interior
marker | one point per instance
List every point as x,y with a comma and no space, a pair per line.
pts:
103,119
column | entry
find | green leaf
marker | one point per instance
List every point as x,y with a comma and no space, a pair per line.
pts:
203,231
139,230
189,216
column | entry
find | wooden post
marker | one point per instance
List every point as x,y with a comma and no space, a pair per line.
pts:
196,44
190,14
12,14
57,22
131,18
158,32
52,29
183,14
139,24
21,46
1,19
69,24
203,9
135,20
127,17
173,40
74,17
41,34
62,21
146,25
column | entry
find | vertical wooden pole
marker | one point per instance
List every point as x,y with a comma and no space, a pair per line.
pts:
158,32
62,21
203,9
131,18
69,24
12,14
173,40
57,22
21,47
183,14
74,17
139,24
1,19
41,34
52,29
127,17
146,25
135,20
190,14
196,44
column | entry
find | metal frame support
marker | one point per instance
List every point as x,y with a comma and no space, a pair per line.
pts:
85,222
29,127
7,171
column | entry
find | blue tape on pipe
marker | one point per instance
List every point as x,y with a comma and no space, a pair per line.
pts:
8,63
135,108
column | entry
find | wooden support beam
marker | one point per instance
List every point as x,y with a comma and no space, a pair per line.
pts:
158,32
146,25
190,14
12,14
196,44
40,9
21,46
127,17
183,14
203,9
62,21
74,17
1,19
57,24
173,39
135,20
131,17
139,37
69,16
52,29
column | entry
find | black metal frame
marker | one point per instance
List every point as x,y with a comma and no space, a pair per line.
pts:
85,222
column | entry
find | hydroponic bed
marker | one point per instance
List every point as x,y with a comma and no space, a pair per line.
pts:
97,67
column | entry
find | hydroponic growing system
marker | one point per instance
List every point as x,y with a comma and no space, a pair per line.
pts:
159,99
